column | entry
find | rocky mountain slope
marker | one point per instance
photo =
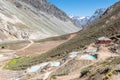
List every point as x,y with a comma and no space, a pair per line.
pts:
32,19
96,15
85,21
80,21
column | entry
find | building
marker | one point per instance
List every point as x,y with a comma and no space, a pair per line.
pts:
104,40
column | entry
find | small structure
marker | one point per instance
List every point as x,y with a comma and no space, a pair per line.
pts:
104,40
55,64
92,50
73,54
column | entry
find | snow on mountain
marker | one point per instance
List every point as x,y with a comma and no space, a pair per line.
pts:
96,15
80,21
86,20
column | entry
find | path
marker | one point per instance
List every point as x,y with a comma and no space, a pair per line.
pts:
31,43
71,36
42,47
7,55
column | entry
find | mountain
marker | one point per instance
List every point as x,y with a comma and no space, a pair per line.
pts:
32,19
80,21
96,15
86,20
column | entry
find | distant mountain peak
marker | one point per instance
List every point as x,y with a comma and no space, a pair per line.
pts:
82,21
100,10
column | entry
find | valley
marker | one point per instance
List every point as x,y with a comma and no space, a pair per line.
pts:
65,68
27,48
38,41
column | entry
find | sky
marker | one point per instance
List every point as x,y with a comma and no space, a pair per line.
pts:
82,7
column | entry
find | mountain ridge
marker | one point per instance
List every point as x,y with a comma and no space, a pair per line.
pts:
20,20
87,20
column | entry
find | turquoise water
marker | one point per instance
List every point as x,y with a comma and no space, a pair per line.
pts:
37,67
34,69
88,57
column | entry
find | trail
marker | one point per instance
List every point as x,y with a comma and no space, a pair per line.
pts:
9,54
13,51
71,36
31,43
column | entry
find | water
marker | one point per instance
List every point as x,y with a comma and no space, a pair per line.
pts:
37,67
40,66
87,56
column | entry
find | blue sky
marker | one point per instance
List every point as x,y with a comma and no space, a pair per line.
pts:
82,7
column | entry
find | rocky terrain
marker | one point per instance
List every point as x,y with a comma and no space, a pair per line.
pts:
32,19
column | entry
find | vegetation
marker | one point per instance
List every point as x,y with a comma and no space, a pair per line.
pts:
13,62
53,78
102,69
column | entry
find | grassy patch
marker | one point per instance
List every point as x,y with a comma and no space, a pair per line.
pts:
14,62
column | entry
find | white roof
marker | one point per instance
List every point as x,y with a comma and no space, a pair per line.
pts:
103,38
55,64
73,54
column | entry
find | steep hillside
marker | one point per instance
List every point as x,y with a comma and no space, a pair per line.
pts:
96,15
32,19
105,70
